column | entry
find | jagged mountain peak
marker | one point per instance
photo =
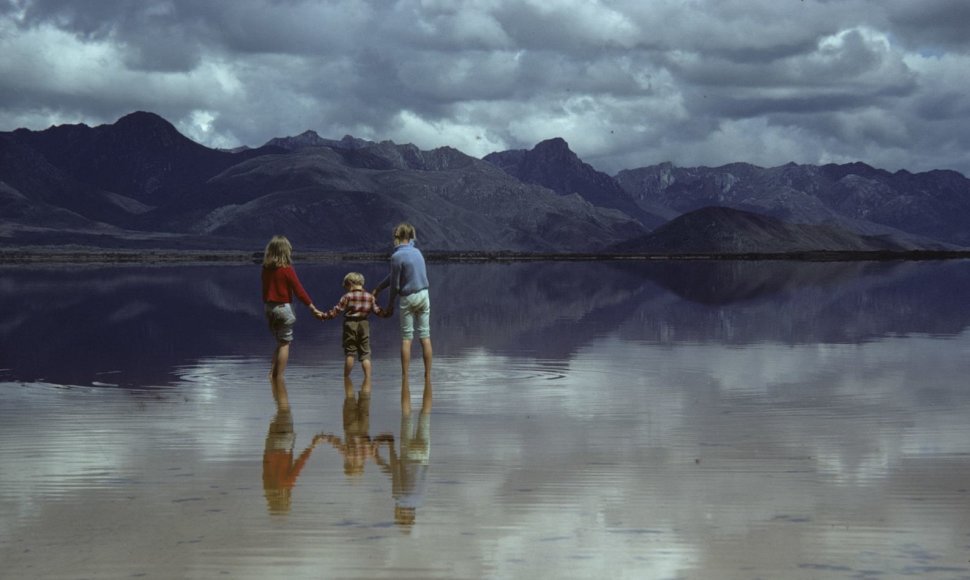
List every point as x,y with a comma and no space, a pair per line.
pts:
143,159
855,196
555,144
552,164
310,138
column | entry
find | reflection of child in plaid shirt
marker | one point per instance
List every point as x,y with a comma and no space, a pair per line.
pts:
356,305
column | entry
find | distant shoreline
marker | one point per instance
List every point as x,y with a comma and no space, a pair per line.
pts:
95,256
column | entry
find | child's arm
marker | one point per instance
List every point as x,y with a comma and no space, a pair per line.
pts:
384,284
382,312
336,310
301,293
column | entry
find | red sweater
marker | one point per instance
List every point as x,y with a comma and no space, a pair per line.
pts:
279,285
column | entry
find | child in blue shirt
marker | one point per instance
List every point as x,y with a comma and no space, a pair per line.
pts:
408,282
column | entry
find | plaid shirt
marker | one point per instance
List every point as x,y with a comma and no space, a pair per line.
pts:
356,305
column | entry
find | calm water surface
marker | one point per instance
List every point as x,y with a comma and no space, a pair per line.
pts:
586,420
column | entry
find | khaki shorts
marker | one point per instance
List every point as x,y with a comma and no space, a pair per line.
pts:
356,339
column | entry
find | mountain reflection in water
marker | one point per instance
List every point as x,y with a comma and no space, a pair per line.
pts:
128,325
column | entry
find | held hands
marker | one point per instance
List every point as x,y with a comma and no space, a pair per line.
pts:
328,437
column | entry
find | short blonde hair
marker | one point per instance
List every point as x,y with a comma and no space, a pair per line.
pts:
353,279
404,232
279,252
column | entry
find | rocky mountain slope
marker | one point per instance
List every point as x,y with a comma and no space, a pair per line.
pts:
140,183
553,164
854,196
723,230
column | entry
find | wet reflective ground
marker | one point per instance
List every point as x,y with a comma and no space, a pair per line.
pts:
622,420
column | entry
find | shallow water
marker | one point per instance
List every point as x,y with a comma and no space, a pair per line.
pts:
624,420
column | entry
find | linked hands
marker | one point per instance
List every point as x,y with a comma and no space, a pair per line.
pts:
385,312
317,313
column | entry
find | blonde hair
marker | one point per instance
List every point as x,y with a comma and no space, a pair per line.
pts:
279,253
353,279
404,232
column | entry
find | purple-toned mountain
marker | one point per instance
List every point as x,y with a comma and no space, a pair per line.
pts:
309,139
855,196
38,194
553,164
723,230
140,182
141,157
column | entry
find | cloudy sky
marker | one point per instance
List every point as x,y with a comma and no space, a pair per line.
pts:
627,83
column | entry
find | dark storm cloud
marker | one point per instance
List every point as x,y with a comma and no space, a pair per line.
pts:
932,24
156,35
627,83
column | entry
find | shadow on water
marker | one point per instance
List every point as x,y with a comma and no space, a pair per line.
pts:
134,325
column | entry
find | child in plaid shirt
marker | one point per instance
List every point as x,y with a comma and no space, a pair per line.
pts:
356,304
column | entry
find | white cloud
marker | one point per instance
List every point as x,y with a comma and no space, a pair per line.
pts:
623,82
471,139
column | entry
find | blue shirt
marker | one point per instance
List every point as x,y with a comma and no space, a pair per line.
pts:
408,272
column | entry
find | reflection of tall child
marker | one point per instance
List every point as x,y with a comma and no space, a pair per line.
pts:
279,469
409,469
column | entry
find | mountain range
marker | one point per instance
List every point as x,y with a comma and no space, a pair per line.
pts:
139,183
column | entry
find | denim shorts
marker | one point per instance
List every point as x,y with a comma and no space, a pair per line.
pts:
416,315
281,319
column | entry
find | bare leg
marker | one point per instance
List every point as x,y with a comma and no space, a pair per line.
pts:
405,359
426,353
365,364
405,398
365,387
279,393
348,365
405,366
426,398
280,357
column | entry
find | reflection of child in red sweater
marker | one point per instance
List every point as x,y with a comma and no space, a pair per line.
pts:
356,305
279,469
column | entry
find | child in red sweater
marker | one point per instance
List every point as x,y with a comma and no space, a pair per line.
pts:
280,283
